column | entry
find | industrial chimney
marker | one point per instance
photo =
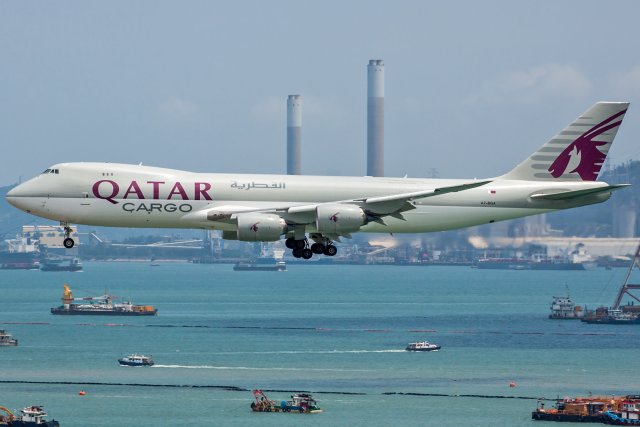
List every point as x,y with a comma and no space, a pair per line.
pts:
375,118
294,134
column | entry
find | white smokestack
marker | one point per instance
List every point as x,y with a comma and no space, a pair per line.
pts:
294,134
375,118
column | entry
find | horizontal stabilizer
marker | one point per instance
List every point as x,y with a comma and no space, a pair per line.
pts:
566,195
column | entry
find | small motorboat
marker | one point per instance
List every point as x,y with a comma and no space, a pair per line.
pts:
422,346
136,360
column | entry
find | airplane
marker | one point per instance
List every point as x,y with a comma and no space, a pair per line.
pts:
250,207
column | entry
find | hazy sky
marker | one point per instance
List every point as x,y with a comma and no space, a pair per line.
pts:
472,88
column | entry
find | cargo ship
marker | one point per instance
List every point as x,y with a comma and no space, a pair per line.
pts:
31,416
51,264
6,340
261,264
302,403
101,306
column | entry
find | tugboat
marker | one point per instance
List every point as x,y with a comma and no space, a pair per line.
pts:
593,409
422,346
32,416
563,308
6,339
302,403
136,360
102,305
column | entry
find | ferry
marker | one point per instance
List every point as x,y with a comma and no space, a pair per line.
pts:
422,346
6,340
31,416
102,305
563,308
302,403
136,360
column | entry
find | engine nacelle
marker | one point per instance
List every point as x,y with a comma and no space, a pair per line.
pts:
257,227
336,219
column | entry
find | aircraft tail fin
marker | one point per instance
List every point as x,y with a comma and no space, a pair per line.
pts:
578,151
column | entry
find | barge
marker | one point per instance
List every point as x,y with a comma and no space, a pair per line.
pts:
302,403
101,306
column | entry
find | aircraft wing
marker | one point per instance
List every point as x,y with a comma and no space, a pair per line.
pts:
567,195
392,205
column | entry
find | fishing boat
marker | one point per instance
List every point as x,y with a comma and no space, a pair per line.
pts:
6,340
422,346
31,416
136,360
302,403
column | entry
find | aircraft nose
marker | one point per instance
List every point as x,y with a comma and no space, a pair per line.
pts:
16,196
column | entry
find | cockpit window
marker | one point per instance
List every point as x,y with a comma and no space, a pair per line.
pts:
56,171
47,171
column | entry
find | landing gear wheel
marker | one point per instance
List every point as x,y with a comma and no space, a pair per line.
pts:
317,248
300,244
68,243
330,250
297,252
306,253
290,243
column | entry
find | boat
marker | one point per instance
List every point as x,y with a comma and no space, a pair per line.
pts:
592,409
576,260
51,264
6,340
302,403
619,314
563,308
628,414
31,416
136,360
261,264
612,316
422,346
102,305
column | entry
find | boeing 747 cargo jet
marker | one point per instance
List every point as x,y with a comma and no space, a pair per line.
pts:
560,175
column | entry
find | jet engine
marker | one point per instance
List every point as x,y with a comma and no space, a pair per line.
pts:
257,227
336,219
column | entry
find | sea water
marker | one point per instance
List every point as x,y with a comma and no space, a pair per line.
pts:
336,331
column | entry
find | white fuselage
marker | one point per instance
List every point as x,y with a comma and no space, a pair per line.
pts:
120,195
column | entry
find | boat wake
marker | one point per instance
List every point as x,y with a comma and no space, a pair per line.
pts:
252,368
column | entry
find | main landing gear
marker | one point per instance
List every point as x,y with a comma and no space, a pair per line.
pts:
301,249
68,242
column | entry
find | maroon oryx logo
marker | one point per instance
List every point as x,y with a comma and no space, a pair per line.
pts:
584,151
254,227
334,217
